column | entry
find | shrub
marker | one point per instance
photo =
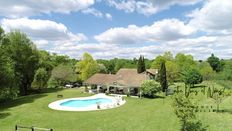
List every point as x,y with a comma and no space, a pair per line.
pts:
150,87
185,110
53,83
7,94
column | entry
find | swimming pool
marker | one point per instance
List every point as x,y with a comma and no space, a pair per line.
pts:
95,102
86,102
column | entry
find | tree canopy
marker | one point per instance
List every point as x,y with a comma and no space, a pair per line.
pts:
40,78
206,70
7,75
215,63
184,61
192,76
87,66
61,75
24,56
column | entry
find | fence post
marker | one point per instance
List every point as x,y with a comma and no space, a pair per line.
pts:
32,128
16,127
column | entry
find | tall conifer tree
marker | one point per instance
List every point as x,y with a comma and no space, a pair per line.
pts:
163,77
141,65
143,68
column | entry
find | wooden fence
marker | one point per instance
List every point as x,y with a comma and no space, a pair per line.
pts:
32,128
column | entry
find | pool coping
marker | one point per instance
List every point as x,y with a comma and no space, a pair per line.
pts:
117,101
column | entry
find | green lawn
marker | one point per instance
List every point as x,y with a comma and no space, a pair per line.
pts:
136,115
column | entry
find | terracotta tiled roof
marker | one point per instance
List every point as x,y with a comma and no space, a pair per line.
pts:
130,77
124,77
101,79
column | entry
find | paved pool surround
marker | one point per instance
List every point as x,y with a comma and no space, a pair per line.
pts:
116,101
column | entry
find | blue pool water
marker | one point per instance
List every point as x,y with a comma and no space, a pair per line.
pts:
86,102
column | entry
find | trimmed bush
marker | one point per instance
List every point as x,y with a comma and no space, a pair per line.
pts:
150,87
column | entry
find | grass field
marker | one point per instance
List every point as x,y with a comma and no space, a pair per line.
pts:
136,115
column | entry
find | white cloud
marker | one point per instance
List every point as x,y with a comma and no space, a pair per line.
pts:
45,34
97,13
108,16
215,15
164,4
76,50
24,8
104,51
93,11
42,29
72,45
202,47
126,5
56,38
165,30
148,7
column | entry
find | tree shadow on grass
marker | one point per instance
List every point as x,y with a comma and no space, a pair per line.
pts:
26,99
198,86
4,115
20,101
51,90
193,126
154,97
161,97
46,90
226,111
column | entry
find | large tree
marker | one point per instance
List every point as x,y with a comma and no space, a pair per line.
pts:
102,68
109,65
172,71
24,56
184,61
41,78
191,77
167,56
46,61
86,67
59,59
157,62
227,71
7,77
62,74
215,63
206,70
171,66
1,34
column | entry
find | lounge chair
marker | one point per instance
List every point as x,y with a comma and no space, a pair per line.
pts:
59,96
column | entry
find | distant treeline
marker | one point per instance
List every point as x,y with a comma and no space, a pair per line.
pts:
113,65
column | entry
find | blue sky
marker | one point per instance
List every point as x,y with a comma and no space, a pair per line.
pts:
123,28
